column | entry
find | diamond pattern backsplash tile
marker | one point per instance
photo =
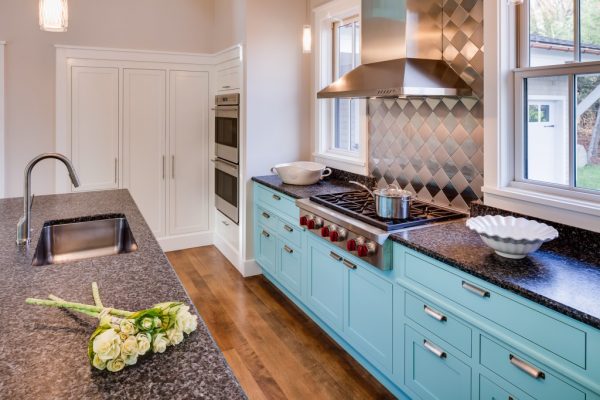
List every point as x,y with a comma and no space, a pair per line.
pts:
434,146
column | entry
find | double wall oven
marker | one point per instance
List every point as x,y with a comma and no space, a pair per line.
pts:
227,127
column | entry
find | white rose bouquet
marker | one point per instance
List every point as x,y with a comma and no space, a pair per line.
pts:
123,336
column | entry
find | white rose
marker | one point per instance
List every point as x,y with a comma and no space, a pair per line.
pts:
185,321
157,322
143,342
115,365
129,347
127,327
160,343
191,324
146,323
107,345
98,363
130,359
175,336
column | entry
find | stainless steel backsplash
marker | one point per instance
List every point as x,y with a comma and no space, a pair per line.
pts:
434,146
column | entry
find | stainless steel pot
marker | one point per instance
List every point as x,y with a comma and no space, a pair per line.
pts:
391,202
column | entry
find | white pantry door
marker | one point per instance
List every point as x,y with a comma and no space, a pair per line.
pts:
188,166
95,126
144,143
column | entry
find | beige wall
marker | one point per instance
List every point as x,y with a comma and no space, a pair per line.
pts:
174,25
230,23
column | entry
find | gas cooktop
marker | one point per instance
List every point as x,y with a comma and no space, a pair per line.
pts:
361,205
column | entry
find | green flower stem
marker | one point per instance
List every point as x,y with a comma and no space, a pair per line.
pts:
96,295
90,313
76,306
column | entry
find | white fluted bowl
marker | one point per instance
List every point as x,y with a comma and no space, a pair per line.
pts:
512,237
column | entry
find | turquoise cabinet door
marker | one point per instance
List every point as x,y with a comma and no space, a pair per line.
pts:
266,248
488,390
290,268
325,291
369,317
432,372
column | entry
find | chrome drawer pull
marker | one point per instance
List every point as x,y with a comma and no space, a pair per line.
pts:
335,256
288,228
266,234
348,264
275,197
225,223
434,314
476,290
266,215
525,367
288,250
434,349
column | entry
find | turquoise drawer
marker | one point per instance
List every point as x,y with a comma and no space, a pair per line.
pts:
556,336
439,322
276,200
432,372
267,218
290,268
488,390
290,232
513,367
266,248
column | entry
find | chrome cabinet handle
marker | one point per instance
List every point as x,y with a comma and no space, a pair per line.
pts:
173,167
434,349
288,249
226,87
275,197
164,166
288,228
225,223
335,256
348,264
434,314
474,289
116,168
266,215
527,368
266,234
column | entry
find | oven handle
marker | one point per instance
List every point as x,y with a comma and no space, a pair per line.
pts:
232,165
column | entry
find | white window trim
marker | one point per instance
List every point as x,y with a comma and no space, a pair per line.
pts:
356,162
500,189
2,122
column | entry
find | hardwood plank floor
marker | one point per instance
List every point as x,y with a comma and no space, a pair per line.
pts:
273,348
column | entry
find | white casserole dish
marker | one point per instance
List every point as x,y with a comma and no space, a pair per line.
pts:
301,173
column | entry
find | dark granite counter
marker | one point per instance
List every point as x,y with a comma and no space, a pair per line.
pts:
326,186
557,277
43,351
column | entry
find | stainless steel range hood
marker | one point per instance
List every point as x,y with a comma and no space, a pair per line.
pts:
401,54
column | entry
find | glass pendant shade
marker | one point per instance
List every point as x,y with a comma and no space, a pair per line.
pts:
306,39
54,15
514,2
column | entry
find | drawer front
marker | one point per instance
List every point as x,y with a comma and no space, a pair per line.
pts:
488,390
271,199
290,232
267,218
525,373
227,229
557,337
439,322
290,268
266,248
432,372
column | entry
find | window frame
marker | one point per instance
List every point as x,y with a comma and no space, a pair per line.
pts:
323,110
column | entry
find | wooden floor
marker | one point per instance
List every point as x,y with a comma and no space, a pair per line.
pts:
274,349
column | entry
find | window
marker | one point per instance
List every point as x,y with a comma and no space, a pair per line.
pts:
557,89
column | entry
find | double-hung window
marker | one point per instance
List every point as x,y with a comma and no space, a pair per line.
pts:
557,97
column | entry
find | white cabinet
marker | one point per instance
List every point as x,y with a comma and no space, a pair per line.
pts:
95,126
228,78
189,170
144,143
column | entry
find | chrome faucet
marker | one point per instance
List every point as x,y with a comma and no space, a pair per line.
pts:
24,225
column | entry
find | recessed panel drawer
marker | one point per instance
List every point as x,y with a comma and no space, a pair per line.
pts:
559,338
439,322
290,232
271,199
290,268
267,218
525,373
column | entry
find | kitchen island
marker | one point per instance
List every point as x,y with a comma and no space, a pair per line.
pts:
43,351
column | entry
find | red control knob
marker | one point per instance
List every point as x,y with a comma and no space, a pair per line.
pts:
311,224
324,231
334,236
362,251
351,245
304,220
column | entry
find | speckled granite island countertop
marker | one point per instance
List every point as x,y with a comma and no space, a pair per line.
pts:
558,276
43,351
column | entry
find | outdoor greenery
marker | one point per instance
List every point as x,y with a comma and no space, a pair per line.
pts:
554,19
589,177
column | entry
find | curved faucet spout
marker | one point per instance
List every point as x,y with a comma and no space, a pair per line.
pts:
24,225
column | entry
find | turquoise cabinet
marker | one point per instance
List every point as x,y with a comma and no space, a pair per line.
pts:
488,390
266,248
289,271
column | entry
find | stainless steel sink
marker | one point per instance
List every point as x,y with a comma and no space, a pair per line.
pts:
71,240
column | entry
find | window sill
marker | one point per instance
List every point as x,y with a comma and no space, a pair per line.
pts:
344,163
583,214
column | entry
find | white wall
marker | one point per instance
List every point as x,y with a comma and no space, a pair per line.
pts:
2,44
176,25
229,23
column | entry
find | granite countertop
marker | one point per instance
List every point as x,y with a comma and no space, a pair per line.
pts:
325,186
554,276
43,351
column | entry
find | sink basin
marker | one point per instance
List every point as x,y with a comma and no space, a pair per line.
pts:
76,239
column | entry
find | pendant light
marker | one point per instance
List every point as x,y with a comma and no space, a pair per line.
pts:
307,33
514,2
54,15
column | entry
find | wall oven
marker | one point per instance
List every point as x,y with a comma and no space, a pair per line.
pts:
226,189
227,115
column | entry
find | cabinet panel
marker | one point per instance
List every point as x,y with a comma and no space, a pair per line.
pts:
325,295
144,134
488,390
95,126
266,249
290,268
188,161
228,79
434,376
369,317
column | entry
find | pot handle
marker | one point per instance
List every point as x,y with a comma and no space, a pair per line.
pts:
326,172
274,171
362,186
